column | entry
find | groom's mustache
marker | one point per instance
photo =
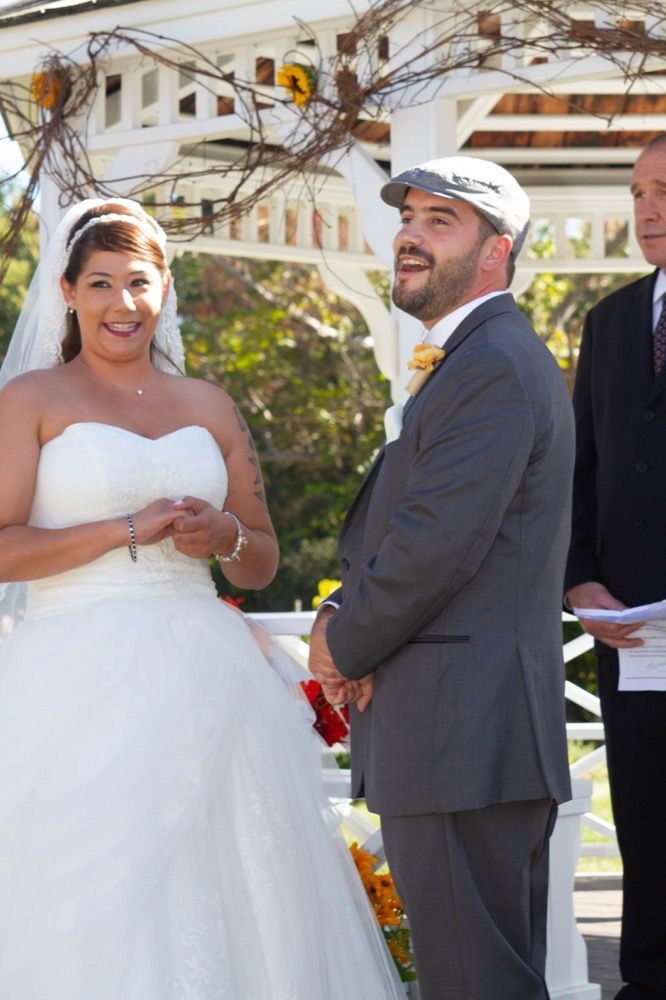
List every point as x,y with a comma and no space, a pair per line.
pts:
414,252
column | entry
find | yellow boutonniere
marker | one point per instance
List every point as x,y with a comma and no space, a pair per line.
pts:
424,359
299,80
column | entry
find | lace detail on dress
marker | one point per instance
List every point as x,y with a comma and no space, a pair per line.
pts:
208,959
201,742
93,471
270,831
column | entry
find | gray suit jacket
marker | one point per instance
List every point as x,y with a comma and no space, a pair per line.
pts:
452,559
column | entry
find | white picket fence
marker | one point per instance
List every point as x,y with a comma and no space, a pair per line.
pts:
566,967
288,628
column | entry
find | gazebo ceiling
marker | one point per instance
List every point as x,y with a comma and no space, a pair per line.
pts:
569,128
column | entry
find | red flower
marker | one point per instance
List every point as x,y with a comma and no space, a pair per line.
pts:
235,602
331,723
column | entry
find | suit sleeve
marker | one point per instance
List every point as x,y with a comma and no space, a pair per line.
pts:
476,438
582,563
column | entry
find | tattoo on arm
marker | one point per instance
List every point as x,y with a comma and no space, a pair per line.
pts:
241,423
260,495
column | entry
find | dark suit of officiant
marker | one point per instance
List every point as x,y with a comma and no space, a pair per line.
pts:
619,539
452,558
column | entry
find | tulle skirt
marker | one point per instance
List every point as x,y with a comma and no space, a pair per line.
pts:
163,832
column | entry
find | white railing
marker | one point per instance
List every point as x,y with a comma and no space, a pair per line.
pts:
592,732
288,628
566,964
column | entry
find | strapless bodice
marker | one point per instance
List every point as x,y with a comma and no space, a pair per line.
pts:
93,471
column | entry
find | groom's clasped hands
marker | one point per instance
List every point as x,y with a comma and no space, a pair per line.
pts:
337,689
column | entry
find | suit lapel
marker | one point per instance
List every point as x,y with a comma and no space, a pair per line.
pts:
493,307
365,484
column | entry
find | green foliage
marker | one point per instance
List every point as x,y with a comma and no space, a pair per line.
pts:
556,304
299,363
18,275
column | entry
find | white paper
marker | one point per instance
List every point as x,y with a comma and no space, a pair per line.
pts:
643,668
641,613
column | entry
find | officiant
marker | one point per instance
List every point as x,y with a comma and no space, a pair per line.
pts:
617,558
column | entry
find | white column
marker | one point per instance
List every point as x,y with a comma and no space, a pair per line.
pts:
167,94
350,282
566,958
423,132
130,98
418,134
50,212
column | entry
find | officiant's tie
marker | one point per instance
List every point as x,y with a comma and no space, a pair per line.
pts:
659,339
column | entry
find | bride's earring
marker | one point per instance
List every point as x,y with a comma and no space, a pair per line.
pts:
71,310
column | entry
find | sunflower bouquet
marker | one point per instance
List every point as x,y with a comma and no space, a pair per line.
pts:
388,910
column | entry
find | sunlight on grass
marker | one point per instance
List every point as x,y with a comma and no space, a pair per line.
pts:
601,806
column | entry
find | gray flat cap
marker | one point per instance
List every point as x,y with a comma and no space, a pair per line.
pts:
487,187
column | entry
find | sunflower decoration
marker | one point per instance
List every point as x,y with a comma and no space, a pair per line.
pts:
47,87
299,80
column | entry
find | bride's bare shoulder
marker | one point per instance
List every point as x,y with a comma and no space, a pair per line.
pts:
33,394
34,383
207,394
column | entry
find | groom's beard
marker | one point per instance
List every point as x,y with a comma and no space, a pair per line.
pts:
447,286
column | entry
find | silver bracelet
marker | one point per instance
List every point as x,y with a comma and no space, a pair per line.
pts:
241,542
132,534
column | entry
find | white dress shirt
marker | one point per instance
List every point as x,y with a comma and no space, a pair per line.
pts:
444,327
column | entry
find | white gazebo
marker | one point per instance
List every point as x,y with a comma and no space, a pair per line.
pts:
568,126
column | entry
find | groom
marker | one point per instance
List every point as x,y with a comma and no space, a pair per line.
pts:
447,628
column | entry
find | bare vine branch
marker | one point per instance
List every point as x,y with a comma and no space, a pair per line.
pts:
368,77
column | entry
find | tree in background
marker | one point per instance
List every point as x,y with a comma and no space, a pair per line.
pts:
20,269
556,304
299,363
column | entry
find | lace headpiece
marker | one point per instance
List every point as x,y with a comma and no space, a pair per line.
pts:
154,231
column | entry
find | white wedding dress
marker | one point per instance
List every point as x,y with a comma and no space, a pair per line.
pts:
163,834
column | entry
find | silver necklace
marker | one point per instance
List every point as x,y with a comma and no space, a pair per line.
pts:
103,378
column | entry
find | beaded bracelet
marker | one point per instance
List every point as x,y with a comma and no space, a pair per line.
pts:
132,534
241,542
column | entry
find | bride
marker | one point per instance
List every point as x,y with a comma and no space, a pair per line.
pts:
163,834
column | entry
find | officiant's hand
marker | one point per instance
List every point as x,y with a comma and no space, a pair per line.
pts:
613,634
